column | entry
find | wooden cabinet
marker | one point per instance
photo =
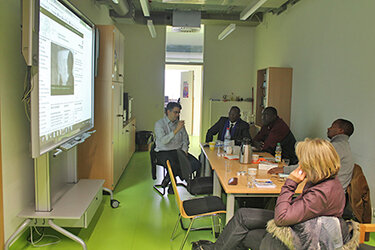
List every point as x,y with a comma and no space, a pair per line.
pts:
111,54
107,152
274,88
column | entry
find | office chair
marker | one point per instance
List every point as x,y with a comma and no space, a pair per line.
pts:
363,229
358,194
160,188
197,185
195,208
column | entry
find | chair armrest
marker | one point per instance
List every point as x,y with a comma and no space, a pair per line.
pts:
364,228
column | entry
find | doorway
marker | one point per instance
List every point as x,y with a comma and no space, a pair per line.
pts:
184,83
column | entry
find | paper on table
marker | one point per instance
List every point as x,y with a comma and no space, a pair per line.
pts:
231,157
265,165
264,183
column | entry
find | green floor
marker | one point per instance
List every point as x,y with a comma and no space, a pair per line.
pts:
144,220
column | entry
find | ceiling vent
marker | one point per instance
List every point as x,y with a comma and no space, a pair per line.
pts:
186,19
185,29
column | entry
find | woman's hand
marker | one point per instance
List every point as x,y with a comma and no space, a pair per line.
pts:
297,175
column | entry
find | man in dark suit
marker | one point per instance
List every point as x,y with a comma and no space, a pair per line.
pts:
238,128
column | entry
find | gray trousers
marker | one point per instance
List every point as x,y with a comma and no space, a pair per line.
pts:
247,229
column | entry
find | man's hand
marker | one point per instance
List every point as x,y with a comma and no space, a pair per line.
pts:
297,175
258,144
180,125
276,170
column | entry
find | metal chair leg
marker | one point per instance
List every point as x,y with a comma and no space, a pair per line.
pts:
213,226
187,233
220,224
193,229
175,227
156,188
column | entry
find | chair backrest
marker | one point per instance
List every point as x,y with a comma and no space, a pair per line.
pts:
359,195
174,185
185,166
287,144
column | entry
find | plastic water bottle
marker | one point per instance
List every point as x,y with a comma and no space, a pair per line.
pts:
226,140
278,152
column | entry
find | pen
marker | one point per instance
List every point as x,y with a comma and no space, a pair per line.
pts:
269,182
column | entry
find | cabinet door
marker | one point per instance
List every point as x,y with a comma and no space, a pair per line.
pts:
280,91
117,127
116,53
132,138
123,153
126,144
121,57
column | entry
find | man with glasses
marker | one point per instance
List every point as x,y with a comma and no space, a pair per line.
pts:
170,136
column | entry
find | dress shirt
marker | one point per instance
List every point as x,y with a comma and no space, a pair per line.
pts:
166,139
239,131
231,126
272,134
341,144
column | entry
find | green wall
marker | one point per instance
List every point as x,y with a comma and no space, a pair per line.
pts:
228,66
144,72
330,45
17,165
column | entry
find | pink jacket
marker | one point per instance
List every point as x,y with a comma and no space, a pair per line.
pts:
325,198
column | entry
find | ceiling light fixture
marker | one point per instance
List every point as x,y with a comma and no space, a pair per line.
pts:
229,29
151,28
251,9
145,7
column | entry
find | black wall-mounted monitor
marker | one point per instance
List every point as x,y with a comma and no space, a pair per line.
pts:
60,48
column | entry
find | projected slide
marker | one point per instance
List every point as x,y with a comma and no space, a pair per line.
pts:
65,74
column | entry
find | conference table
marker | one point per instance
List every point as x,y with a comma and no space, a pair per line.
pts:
221,176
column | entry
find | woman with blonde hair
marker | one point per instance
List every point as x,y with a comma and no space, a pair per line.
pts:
299,223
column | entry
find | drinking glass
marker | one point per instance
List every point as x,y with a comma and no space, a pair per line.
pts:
286,162
228,166
251,174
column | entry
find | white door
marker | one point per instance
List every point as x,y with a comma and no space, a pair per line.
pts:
187,99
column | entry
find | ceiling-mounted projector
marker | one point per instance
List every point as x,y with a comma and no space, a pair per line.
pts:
186,19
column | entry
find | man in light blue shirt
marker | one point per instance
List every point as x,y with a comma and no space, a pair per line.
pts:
170,136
